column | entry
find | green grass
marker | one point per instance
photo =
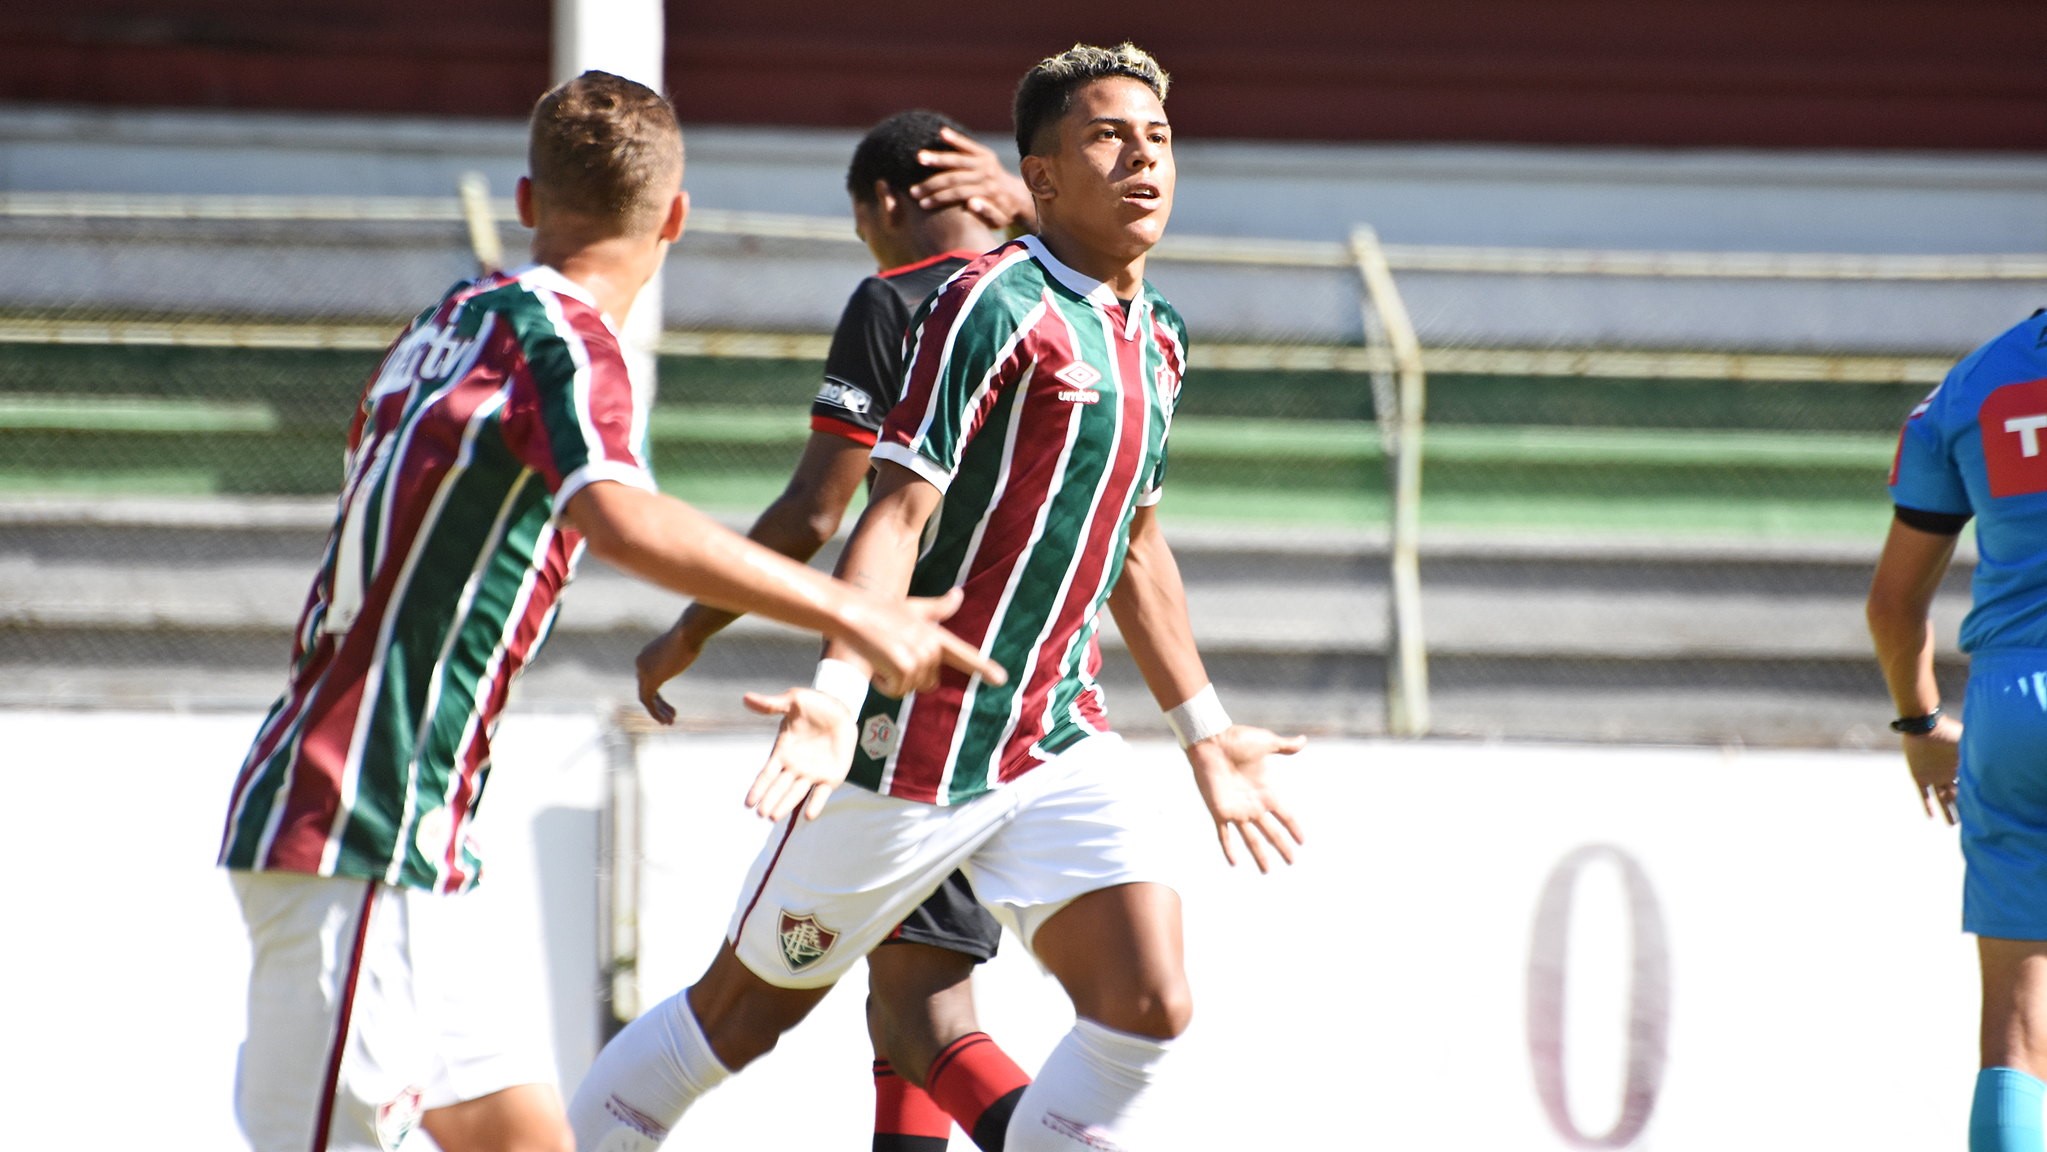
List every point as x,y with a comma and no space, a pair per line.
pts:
1249,447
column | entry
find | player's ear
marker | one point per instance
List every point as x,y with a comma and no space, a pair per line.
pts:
678,212
522,195
890,207
1037,176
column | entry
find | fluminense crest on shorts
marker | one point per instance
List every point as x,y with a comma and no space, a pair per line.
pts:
397,1117
804,940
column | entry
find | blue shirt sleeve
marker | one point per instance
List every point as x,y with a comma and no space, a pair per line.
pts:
1925,475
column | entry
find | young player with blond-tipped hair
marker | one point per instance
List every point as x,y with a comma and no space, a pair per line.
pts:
499,438
1022,465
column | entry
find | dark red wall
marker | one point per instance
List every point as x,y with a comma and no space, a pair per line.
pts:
1760,73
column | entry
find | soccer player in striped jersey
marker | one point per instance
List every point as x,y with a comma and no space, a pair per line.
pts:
499,438
920,1005
1022,464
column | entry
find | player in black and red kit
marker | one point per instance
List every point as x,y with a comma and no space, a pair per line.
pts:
924,197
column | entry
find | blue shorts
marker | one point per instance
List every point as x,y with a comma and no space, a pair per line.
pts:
2002,798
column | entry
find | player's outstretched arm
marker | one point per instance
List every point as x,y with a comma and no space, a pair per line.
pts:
796,525
970,175
1908,574
664,541
1229,760
814,746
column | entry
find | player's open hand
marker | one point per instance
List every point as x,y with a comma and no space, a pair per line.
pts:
906,647
1933,759
1230,771
969,174
663,659
813,752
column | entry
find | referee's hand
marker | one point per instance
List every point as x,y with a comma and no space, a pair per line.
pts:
1934,759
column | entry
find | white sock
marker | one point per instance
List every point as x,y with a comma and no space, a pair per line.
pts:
1090,1094
644,1080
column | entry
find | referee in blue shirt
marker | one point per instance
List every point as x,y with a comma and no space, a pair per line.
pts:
1977,448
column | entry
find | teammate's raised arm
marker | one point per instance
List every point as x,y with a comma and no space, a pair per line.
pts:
666,542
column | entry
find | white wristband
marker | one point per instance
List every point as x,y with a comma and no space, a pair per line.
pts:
842,682
1201,717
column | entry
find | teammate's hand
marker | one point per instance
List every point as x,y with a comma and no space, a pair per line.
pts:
969,174
663,659
813,752
1933,759
1230,771
906,647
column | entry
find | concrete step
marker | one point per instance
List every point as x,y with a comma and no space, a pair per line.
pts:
191,602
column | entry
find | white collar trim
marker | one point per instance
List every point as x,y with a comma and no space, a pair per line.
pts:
550,278
1097,293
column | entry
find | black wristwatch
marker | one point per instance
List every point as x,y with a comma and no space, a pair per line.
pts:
1917,725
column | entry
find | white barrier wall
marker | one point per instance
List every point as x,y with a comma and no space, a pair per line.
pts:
1808,983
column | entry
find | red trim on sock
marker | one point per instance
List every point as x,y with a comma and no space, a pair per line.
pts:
971,1073
902,1109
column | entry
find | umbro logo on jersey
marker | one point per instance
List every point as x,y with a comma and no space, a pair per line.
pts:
1083,377
1079,374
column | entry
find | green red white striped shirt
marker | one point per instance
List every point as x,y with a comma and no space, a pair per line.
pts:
1038,404
439,582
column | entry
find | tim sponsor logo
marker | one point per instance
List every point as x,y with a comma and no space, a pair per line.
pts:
2012,419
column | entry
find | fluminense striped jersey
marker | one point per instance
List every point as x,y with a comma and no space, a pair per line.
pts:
1038,404
439,582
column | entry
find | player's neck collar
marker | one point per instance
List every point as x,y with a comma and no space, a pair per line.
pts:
548,277
1097,293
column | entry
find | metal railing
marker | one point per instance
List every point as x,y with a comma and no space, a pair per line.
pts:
1392,356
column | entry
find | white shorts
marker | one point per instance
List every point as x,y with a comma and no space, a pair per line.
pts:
824,892
369,1004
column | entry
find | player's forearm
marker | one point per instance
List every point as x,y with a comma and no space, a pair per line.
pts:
666,542
796,525
1901,594
1904,651
1149,604
879,559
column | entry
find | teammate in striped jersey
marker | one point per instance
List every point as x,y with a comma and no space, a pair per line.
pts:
920,1004
499,438
1022,464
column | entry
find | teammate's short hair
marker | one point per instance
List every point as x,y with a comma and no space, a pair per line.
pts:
607,148
889,152
1046,91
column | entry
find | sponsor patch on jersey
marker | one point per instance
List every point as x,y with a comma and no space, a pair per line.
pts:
2013,421
878,737
804,940
431,835
397,1117
840,394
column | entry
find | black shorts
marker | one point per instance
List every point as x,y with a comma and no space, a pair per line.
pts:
953,920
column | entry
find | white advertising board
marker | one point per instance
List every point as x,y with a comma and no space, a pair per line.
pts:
1731,938
1784,969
